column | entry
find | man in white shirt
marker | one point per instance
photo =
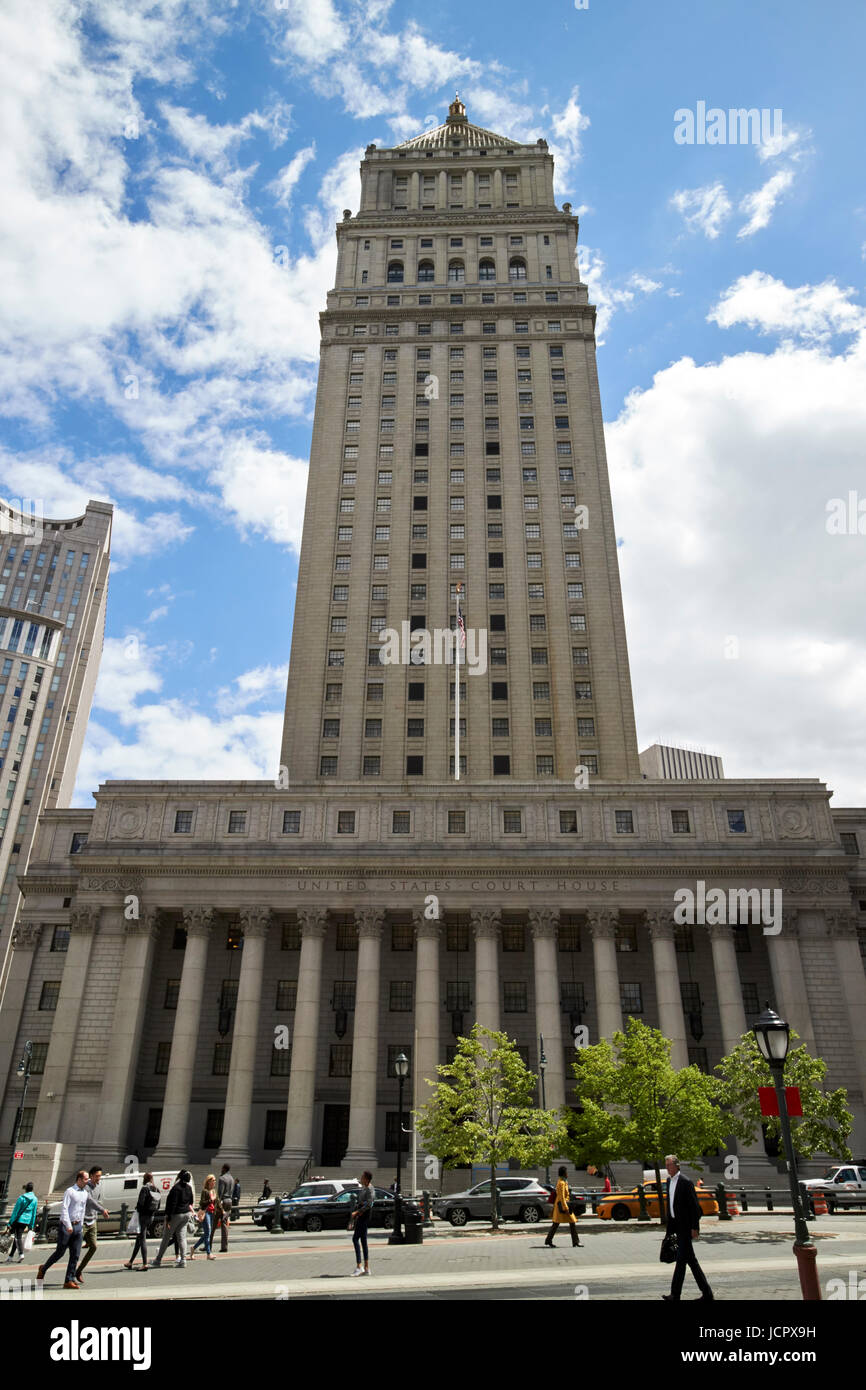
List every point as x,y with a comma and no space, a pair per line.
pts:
76,1203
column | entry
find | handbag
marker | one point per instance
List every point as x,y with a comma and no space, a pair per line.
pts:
5,1242
669,1251
29,1237
133,1227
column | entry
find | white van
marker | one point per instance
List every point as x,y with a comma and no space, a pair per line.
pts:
120,1188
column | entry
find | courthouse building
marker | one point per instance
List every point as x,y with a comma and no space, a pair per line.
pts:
365,900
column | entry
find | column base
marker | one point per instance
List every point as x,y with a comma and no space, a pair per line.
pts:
360,1159
165,1159
293,1158
238,1156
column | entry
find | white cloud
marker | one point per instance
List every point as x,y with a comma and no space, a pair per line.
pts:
262,683
806,311
789,142
283,185
736,461
760,204
263,490
606,295
704,209
567,126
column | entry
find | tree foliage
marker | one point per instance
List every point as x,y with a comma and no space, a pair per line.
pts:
483,1110
634,1106
826,1121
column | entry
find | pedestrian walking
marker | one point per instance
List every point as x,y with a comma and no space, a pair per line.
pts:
89,1239
607,1187
77,1202
178,1206
562,1210
207,1210
225,1189
683,1222
146,1208
22,1220
360,1221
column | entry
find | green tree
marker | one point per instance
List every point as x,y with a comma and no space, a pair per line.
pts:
826,1121
634,1106
482,1110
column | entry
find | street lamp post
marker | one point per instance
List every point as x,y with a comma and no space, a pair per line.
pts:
23,1070
772,1034
401,1067
542,1063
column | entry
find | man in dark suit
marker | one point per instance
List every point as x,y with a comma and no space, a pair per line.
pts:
684,1219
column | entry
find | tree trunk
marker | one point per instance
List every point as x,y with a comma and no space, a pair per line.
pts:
494,1194
661,1196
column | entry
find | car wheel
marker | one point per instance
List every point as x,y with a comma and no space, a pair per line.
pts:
620,1212
530,1214
312,1223
388,1221
268,1221
157,1227
458,1216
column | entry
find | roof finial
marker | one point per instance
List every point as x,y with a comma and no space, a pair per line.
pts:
456,111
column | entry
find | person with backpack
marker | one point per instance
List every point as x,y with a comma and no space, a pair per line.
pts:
225,1192
178,1206
22,1220
146,1208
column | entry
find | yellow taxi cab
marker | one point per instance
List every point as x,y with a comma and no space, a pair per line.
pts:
619,1206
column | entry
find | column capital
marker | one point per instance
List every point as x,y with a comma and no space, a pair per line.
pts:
602,923
313,922
26,936
369,922
426,928
720,931
83,921
148,924
198,921
660,925
790,926
842,925
544,923
255,921
485,924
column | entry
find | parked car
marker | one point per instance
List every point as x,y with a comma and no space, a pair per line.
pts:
521,1199
843,1184
263,1212
332,1213
619,1206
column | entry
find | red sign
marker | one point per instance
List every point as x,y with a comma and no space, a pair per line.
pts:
770,1101
19,1153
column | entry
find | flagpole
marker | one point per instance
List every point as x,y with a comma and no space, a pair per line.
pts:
457,687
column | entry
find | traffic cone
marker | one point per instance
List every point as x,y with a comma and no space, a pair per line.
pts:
733,1209
819,1204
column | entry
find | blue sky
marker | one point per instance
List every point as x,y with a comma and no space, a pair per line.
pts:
159,348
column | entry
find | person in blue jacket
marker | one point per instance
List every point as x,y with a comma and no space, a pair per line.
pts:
22,1220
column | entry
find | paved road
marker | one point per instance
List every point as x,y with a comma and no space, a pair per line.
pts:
748,1258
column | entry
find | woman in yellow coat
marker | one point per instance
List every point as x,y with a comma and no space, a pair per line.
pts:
562,1210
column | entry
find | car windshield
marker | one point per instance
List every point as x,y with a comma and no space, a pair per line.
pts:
829,1173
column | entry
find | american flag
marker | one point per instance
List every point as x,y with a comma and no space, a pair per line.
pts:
461,626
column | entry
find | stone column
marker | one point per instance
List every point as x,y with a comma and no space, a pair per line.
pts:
48,1124
172,1149
469,196
667,980
789,982
842,928
365,1042
486,927
498,199
729,990
442,199
25,940
235,1146
427,1003
602,926
548,1016
302,1077
110,1136
414,200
